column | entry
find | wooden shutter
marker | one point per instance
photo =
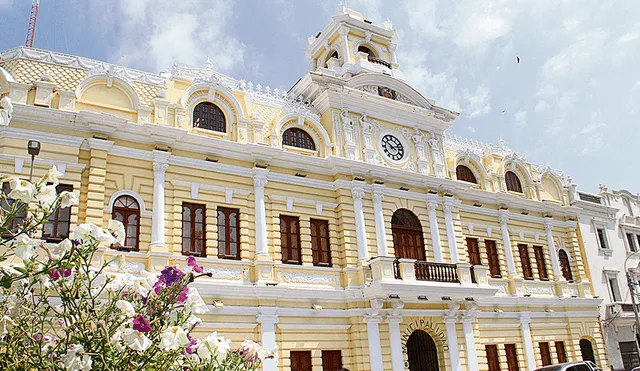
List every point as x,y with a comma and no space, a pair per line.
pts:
290,239
512,357
331,360
538,252
494,260
228,233
545,353
193,229
301,360
320,242
492,357
565,265
474,252
523,249
562,355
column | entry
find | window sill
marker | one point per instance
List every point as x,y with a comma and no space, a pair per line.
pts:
302,151
519,194
213,133
605,252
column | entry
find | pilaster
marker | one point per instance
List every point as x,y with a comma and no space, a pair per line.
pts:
267,319
160,166
98,153
373,335
259,182
432,204
381,235
357,192
525,322
449,206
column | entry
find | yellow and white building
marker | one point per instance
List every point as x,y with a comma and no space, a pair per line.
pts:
340,221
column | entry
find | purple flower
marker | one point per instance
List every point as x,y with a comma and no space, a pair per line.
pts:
67,272
55,274
170,275
192,342
183,295
141,324
191,261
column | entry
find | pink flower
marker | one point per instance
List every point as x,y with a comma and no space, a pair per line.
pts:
183,295
141,324
55,274
189,349
191,261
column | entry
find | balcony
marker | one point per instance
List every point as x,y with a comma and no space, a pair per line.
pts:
620,311
379,61
436,272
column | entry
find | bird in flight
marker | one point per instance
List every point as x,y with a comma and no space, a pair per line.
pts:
504,110
517,59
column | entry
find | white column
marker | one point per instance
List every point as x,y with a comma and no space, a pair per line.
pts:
361,236
344,35
259,181
557,274
396,345
451,233
452,340
160,166
506,242
433,225
268,338
381,236
528,343
375,349
470,343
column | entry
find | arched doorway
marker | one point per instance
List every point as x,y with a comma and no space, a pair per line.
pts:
408,241
422,352
586,349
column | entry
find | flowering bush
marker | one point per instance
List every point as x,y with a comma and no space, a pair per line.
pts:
60,310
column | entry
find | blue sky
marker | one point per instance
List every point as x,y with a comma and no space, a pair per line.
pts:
573,101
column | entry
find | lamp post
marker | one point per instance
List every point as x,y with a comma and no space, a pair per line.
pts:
33,147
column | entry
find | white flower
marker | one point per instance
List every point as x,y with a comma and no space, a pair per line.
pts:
214,345
126,308
84,231
61,248
117,229
68,199
47,196
74,361
136,340
53,176
24,247
21,190
195,303
255,350
116,340
173,338
5,322
140,285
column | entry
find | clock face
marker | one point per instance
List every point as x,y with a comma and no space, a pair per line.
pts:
392,147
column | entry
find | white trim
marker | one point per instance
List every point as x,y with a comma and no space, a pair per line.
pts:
128,192
209,187
225,325
41,136
110,82
313,327
19,162
290,201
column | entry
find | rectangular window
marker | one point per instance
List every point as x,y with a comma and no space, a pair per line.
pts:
193,229
320,243
474,252
629,353
512,357
228,233
492,357
331,360
301,360
7,203
538,252
615,289
602,238
290,239
560,352
631,239
494,260
523,249
545,353
57,227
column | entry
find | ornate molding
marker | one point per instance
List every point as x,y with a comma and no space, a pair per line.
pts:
228,273
307,278
160,167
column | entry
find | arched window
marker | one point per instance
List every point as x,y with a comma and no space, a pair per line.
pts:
208,116
364,49
127,211
586,350
408,241
465,174
565,266
295,137
513,182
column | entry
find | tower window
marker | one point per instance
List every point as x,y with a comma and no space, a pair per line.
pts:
369,52
295,137
465,174
208,116
513,182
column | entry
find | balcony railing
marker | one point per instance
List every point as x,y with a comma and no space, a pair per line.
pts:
437,272
379,61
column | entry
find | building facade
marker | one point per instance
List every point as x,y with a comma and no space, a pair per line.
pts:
340,222
610,226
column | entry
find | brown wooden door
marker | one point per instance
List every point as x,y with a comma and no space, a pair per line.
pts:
562,355
545,353
290,239
408,241
301,360
512,357
565,265
331,360
541,263
494,260
525,260
474,251
492,357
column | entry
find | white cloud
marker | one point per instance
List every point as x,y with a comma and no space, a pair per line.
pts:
520,118
471,129
542,105
585,51
162,32
478,103
592,127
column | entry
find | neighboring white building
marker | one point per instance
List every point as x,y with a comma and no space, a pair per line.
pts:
610,227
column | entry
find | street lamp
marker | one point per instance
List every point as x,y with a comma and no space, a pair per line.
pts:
33,147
